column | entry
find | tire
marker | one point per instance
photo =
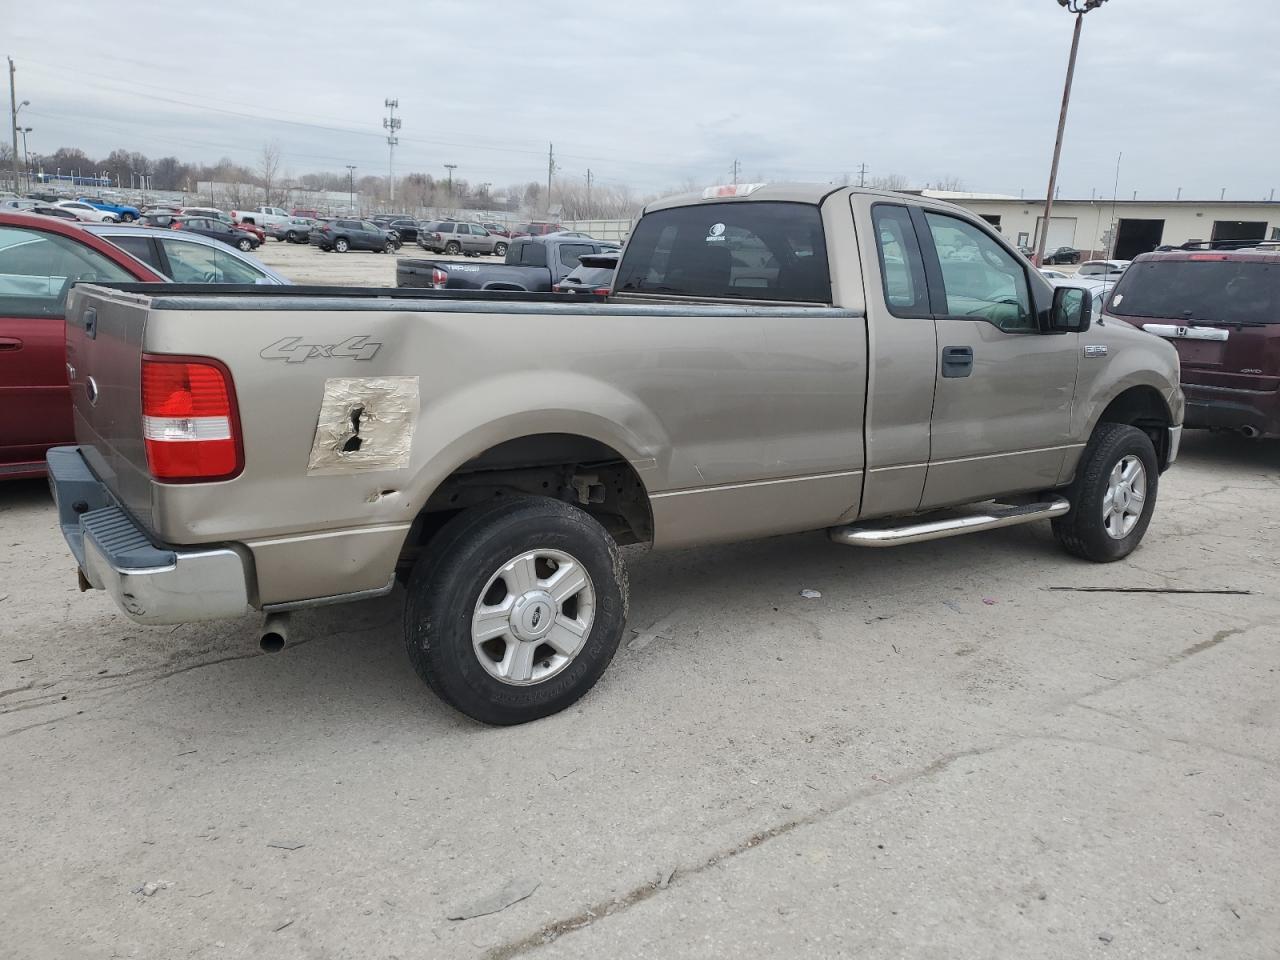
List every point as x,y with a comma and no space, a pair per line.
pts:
390,247
452,248
245,245
341,245
465,564
128,217
1084,532
291,237
499,249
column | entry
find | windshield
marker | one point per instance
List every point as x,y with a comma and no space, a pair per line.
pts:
1221,291
761,250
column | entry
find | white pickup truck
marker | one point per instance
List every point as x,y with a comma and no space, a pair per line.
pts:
262,216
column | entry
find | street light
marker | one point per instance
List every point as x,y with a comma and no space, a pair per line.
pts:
26,162
1079,8
351,189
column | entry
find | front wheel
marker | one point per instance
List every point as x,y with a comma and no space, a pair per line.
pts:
245,245
515,609
499,249
390,247
128,217
1113,495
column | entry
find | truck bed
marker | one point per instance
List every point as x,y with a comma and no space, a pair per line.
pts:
692,395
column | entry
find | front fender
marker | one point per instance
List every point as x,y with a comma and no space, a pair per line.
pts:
1134,358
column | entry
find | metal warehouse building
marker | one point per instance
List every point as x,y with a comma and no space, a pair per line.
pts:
1137,225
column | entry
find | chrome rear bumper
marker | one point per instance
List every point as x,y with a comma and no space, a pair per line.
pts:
152,584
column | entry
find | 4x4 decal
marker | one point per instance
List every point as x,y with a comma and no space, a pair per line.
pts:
296,350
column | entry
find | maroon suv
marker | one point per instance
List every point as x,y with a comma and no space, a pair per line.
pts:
1221,310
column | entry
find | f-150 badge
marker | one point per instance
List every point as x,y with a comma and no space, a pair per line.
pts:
296,350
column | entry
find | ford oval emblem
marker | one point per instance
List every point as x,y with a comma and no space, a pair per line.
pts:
91,390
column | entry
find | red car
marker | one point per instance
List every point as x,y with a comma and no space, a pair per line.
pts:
40,257
253,228
536,229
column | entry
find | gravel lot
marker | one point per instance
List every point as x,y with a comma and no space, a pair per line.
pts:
943,756
306,264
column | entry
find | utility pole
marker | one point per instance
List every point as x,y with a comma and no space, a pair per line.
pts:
1079,8
862,175
13,120
351,189
391,124
736,167
551,168
588,193
451,167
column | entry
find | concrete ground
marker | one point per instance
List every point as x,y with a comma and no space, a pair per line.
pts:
947,755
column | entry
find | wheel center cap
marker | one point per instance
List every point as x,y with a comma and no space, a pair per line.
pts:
1122,498
532,615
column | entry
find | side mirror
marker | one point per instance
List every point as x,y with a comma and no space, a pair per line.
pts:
1072,310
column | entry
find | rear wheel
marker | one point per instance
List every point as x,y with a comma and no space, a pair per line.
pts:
499,249
291,236
341,245
515,609
245,245
1113,495
452,248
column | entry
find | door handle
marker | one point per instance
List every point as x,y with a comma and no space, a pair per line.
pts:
91,322
10,343
957,361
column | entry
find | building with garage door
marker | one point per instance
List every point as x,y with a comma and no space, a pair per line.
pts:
1124,228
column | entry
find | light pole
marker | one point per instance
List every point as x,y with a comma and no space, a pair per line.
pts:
1079,8
26,161
351,189
451,167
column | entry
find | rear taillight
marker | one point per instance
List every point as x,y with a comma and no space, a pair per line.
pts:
601,291
438,278
189,420
556,288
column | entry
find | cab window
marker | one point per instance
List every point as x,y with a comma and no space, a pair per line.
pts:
37,269
197,263
980,278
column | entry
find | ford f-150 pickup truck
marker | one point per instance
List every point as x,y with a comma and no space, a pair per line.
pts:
773,359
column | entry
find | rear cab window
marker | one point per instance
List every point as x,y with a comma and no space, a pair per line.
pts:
747,250
1201,288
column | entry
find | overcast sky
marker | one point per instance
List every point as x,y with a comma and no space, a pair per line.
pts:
659,92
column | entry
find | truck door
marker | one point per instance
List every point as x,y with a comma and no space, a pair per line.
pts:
1001,418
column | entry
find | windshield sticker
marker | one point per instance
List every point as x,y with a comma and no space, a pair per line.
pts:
716,233
1117,299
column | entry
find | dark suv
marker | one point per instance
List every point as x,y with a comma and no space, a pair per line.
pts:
1221,310
344,235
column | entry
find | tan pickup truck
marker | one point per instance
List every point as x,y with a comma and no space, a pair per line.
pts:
774,358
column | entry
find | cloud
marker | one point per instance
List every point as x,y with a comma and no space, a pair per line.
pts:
657,93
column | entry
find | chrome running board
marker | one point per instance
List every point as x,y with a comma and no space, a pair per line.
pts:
991,519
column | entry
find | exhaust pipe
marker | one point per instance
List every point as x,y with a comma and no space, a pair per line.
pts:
275,632
1250,431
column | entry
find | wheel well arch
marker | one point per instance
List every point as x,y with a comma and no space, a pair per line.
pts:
1143,407
570,467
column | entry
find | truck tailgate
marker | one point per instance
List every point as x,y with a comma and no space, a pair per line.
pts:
104,363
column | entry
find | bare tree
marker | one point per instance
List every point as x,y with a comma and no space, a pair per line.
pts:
890,181
269,169
950,183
